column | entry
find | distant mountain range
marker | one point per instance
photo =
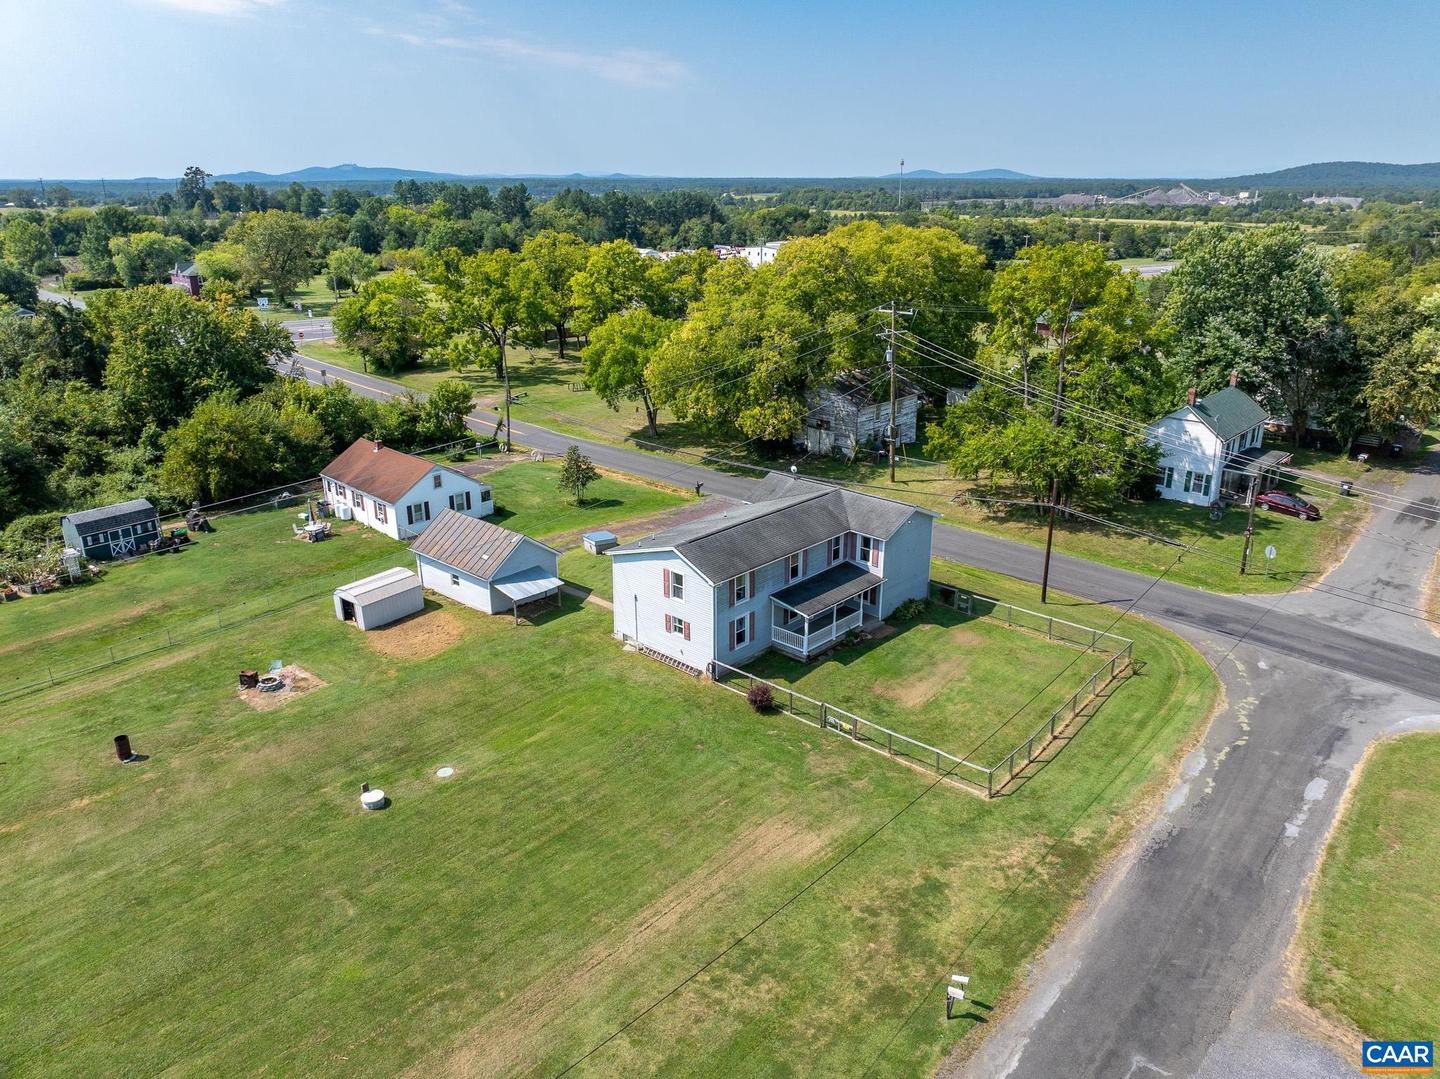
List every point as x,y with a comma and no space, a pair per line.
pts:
978,174
1327,177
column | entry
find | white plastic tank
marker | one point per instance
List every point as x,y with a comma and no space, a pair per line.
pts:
344,512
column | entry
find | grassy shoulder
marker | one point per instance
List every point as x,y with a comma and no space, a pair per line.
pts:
1372,932
611,825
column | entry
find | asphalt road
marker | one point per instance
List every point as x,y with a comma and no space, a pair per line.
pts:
1176,963
306,329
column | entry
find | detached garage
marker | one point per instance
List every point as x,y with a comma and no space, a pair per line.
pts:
380,599
484,566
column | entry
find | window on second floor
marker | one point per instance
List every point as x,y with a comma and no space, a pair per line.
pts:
835,549
867,545
677,585
460,501
741,586
436,480
792,569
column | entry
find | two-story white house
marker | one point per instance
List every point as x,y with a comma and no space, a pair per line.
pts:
1211,448
399,493
800,566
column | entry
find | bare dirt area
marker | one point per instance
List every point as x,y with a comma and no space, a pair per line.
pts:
645,526
509,1037
483,465
420,636
298,682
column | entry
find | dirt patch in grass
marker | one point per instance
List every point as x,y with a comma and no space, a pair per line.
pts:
298,682
513,1035
420,636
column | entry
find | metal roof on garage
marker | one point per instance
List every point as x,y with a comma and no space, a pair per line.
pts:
822,591
378,586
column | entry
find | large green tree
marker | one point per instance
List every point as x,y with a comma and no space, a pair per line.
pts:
618,354
146,258
278,246
390,322
1071,341
555,259
616,276
1261,302
166,353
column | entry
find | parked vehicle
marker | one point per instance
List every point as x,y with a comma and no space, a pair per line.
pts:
1292,505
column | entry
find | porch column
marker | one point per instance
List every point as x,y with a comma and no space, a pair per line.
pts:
806,647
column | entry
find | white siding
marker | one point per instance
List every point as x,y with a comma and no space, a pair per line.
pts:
471,591
641,605
1187,445
395,525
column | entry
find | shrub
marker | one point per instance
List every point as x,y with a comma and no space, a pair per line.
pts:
84,282
911,608
760,697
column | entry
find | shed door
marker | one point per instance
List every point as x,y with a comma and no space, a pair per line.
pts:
123,546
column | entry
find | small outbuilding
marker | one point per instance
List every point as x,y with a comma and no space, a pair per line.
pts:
119,531
600,542
380,599
483,565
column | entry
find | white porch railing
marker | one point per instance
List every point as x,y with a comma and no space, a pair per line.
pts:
805,643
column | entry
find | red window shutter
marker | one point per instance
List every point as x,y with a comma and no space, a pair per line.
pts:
751,635
805,562
732,636
668,625
829,553
666,576
874,552
849,544
687,629
730,585
751,590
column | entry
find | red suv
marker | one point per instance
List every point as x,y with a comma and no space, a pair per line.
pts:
1294,505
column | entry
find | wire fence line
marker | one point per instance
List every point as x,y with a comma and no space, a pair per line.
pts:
1117,663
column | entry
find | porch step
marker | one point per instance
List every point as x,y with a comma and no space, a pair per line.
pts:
670,661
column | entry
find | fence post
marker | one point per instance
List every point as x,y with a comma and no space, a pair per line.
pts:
1050,629
855,728
937,762
1094,636
890,742
112,653
824,719
989,783
792,699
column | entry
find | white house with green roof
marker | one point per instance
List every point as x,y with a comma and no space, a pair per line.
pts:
1212,448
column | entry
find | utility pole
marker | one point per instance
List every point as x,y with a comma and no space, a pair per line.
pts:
1249,525
505,368
900,189
1055,482
894,427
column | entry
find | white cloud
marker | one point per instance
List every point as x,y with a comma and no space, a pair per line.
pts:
228,8
629,67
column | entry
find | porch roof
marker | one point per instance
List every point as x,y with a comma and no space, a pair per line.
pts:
1255,460
837,584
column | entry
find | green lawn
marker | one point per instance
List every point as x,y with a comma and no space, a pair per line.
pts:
1372,934
316,299
225,907
528,499
971,686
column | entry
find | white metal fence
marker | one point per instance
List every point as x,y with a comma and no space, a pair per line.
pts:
1118,652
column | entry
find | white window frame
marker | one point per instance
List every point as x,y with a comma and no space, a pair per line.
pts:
677,585
438,480
1167,477
792,567
460,497
863,549
741,586
740,630
677,625
837,549
381,513
455,579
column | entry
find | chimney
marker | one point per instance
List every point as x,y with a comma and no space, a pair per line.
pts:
379,445
1190,397
1234,377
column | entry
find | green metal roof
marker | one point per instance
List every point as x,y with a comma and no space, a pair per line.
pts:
1229,412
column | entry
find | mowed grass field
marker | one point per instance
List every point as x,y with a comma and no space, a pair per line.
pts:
1372,933
971,686
612,828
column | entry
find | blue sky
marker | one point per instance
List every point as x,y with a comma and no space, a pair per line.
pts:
744,88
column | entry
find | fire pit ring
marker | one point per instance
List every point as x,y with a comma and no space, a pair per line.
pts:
271,683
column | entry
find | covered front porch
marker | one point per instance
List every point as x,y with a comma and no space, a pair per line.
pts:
808,616
1253,466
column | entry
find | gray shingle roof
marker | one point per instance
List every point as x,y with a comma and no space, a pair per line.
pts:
824,590
1229,412
787,515
467,543
116,516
